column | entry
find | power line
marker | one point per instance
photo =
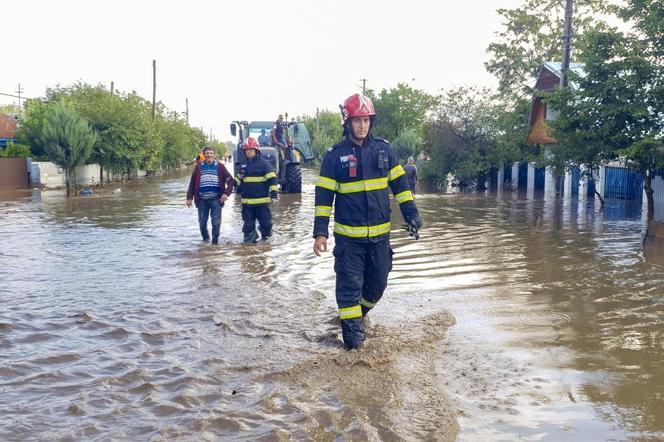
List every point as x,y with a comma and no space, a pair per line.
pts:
22,97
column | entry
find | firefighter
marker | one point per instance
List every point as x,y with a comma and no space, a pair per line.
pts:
257,183
356,176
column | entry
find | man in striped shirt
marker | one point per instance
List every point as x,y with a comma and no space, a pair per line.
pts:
209,188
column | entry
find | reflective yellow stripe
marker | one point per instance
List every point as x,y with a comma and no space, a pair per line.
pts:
361,231
375,184
273,187
255,200
350,312
366,303
323,211
327,183
404,196
270,175
255,179
396,172
238,180
363,185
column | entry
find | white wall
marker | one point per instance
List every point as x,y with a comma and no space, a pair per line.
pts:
49,176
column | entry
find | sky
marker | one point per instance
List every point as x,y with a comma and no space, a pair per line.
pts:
249,59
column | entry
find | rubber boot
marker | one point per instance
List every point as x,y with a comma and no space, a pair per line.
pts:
352,331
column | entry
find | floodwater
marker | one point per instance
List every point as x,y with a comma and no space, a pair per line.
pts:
511,318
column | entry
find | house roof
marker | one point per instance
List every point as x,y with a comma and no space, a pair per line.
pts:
8,124
549,75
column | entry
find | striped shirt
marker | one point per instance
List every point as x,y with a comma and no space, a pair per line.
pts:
208,187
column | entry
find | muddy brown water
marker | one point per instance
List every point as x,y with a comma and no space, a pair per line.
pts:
511,318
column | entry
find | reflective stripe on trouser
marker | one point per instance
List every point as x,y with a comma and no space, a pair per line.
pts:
250,214
361,269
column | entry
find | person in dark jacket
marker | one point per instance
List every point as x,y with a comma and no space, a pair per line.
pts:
411,174
356,176
257,183
209,188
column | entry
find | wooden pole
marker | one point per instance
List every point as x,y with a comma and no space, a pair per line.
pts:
567,43
154,89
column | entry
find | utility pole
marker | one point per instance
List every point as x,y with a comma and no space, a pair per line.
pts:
186,112
112,87
317,120
154,89
567,43
364,85
19,91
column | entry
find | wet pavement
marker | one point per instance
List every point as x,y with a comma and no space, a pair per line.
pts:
511,318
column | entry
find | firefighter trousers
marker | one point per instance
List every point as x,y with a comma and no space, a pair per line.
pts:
251,213
361,278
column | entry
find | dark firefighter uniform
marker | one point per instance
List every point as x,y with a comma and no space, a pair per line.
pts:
358,179
257,183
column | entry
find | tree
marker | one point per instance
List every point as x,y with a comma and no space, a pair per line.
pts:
462,136
407,144
325,130
401,108
14,150
617,109
67,139
29,131
531,35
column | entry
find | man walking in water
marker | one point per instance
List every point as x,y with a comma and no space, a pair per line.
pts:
355,175
209,188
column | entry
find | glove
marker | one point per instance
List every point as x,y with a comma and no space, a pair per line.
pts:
415,223
273,195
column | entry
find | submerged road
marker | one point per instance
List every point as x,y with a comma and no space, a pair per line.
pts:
511,318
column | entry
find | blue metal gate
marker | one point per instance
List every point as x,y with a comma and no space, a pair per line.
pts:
623,183
540,178
523,176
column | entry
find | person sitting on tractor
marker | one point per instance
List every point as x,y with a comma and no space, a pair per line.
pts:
257,183
278,133
263,138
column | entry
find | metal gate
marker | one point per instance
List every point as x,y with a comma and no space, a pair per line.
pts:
623,183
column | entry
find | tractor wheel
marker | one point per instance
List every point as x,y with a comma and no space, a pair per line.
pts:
294,178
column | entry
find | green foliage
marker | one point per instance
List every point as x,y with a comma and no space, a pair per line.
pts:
531,35
461,138
67,139
401,108
220,147
30,128
128,138
9,109
407,144
14,150
616,109
325,130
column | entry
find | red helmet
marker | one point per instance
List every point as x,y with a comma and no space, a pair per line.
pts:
250,143
358,105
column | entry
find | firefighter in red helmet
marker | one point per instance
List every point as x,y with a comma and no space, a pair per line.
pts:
257,183
356,176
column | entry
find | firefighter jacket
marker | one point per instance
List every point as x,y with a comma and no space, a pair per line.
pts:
256,182
356,180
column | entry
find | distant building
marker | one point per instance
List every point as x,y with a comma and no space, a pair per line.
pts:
8,125
547,81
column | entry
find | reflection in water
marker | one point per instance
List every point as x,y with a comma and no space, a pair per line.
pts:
116,321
